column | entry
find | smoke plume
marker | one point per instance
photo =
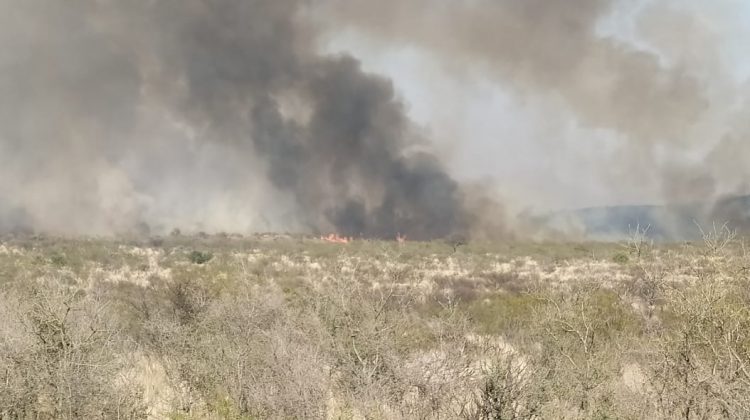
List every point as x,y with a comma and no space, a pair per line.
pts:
121,116
546,46
124,115
664,95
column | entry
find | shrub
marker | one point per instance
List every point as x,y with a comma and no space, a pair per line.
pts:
61,358
621,258
296,329
511,389
198,257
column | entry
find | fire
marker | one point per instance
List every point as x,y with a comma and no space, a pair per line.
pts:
334,238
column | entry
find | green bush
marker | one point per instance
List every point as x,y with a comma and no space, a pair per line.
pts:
200,258
621,258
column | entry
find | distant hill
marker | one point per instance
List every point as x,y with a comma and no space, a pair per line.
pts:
670,222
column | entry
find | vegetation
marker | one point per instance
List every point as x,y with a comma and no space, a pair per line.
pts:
291,327
198,257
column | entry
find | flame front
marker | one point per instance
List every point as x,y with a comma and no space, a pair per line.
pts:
335,238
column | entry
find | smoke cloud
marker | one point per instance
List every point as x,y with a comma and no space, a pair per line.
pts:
546,46
123,116
128,115
662,90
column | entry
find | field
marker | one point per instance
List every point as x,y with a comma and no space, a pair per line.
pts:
268,326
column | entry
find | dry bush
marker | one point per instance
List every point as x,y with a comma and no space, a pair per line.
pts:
507,281
581,335
389,360
455,289
244,355
363,331
298,329
61,358
702,367
512,388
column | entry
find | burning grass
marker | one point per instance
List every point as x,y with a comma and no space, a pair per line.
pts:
287,327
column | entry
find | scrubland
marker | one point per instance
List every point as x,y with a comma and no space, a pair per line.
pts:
224,327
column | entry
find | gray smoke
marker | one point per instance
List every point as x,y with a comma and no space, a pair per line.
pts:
665,102
118,115
545,47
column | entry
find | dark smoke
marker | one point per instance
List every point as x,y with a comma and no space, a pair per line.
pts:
663,104
120,116
108,108
348,160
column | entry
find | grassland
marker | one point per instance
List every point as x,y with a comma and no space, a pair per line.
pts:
225,327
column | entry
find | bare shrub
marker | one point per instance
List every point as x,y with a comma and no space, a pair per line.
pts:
649,284
702,368
64,359
508,281
294,329
188,298
456,289
246,355
638,243
579,333
363,328
512,388
388,363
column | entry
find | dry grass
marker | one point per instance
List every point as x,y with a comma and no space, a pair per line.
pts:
286,327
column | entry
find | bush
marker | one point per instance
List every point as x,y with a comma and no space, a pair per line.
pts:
198,257
511,389
621,258
59,359
284,330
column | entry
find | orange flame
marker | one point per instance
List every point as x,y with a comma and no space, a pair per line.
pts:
336,239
